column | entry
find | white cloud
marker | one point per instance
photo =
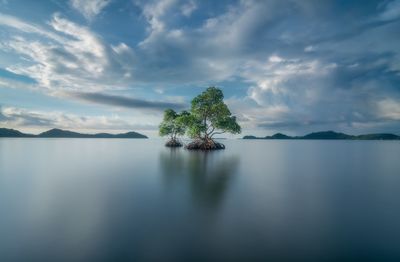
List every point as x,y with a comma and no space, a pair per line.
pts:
18,117
84,44
309,48
188,8
389,108
26,27
275,59
210,53
270,78
391,11
260,44
89,8
251,114
74,59
154,12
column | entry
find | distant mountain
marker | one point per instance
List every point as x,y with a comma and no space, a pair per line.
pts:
252,137
276,136
65,134
378,137
327,135
124,135
55,132
279,136
330,135
5,132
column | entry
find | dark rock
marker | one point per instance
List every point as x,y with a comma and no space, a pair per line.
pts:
173,143
204,145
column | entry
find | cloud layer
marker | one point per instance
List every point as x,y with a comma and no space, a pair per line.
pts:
288,65
22,118
128,102
89,8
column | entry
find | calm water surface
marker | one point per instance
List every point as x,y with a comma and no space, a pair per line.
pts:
112,200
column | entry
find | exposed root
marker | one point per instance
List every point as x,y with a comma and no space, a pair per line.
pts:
204,145
173,143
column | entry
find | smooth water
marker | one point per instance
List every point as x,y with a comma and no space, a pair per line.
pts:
126,199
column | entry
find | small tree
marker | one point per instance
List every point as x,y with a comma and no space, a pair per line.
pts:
209,116
172,126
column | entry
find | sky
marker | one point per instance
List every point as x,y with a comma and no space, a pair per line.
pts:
291,66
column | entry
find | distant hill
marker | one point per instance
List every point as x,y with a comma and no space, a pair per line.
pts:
5,132
327,135
279,136
62,133
330,135
276,136
124,135
378,137
252,137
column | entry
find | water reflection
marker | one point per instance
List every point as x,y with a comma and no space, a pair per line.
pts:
135,200
206,174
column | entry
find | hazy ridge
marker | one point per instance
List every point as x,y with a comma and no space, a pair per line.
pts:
55,132
331,135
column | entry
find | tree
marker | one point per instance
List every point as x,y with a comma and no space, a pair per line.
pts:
173,126
209,116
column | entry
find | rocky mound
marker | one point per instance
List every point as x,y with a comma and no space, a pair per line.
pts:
204,145
173,143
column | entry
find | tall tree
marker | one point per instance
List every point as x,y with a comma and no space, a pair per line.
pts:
209,116
173,126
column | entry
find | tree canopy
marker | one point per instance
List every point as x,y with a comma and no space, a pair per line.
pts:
171,125
209,115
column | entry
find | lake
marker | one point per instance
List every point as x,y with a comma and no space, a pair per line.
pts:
258,200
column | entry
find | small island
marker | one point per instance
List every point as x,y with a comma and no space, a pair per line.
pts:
208,116
59,133
331,135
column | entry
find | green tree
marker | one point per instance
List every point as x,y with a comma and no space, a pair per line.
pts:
209,116
172,125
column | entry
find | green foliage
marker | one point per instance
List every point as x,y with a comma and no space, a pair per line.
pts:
172,124
210,116
194,125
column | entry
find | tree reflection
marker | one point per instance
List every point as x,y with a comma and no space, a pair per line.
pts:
208,174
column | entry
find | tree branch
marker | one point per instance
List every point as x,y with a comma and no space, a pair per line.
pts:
217,133
212,130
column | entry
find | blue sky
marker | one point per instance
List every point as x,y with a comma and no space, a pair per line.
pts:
285,66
